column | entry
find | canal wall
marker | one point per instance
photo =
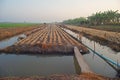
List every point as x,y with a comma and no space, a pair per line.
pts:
83,65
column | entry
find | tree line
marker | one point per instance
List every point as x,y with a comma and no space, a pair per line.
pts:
99,18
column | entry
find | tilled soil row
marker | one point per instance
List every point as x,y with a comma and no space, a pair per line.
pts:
50,39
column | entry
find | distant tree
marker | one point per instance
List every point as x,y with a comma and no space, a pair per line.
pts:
76,21
99,18
106,17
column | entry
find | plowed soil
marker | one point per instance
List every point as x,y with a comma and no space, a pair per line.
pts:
49,38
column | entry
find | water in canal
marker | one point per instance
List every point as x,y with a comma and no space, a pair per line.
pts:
97,64
27,65
10,41
30,65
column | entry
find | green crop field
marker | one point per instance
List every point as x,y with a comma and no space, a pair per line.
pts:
10,25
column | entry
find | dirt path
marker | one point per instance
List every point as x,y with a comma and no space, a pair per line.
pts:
111,39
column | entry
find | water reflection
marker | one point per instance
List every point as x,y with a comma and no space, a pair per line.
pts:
97,64
104,50
10,41
29,65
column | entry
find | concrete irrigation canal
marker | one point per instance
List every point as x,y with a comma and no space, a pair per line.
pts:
51,49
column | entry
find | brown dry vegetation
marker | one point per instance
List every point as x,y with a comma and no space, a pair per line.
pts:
83,76
46,39
111,39
9,32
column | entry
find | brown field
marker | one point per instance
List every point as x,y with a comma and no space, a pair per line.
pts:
9,32
46,39
112,39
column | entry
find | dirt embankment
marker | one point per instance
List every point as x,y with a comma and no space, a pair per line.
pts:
83,76
9,32
112,39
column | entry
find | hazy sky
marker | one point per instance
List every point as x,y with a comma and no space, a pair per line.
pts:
52,10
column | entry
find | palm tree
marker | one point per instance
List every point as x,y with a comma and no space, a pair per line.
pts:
104,18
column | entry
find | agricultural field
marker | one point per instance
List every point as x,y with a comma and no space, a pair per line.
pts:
13,25
107,36
11,29
59,40
48,38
